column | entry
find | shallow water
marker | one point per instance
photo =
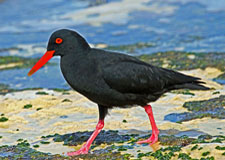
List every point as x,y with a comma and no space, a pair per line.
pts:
48,77
187,25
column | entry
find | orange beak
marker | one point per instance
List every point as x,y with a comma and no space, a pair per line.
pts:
44,59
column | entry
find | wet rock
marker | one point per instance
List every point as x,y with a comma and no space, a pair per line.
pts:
171,140
97,155
213,108
174,149
220,79
175,141
104,137
24,152
206,105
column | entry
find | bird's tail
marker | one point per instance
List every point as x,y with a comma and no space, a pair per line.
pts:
177,80
195,85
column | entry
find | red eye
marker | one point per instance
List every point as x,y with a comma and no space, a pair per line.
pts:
58,40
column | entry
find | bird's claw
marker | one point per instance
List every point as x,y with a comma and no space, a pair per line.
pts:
153,139
83,150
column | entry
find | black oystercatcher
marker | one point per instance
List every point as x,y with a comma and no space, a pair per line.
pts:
112,79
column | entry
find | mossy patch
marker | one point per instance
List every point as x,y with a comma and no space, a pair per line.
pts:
4,89
217,92
175,141
124,121
114,150
25,152
41,93
131,48
220,148
194,147
60,89
205,153
44,142
23,143
3,119
213,108
63,91
36,146
183,91
17,62
186,60
27,106
174,149
66,100
205,105
101,155
111,137
209,139
161,154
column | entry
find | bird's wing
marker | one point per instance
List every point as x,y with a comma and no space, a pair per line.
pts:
135,76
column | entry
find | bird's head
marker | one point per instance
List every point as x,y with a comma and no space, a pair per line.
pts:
62,42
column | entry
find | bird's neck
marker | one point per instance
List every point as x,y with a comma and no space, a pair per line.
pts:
73,68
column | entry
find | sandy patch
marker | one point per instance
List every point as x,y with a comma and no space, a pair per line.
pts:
10,65
77,113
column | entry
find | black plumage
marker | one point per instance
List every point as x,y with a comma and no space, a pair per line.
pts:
117,80
112,79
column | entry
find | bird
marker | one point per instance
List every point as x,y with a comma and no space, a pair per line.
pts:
111,79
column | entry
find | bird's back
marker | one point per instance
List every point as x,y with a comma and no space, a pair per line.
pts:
115,79
139,80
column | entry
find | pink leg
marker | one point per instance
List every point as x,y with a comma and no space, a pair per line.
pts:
155,132
84,149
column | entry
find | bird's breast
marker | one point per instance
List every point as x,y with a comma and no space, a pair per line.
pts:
81,75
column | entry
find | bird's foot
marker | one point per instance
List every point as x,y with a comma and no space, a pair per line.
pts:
82,150
153,139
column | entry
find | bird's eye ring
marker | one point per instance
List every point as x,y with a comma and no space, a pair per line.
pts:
58,40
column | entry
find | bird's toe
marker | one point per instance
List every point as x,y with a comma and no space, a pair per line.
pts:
153,139
80,151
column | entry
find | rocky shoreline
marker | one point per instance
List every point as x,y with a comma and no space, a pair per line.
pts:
44,123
